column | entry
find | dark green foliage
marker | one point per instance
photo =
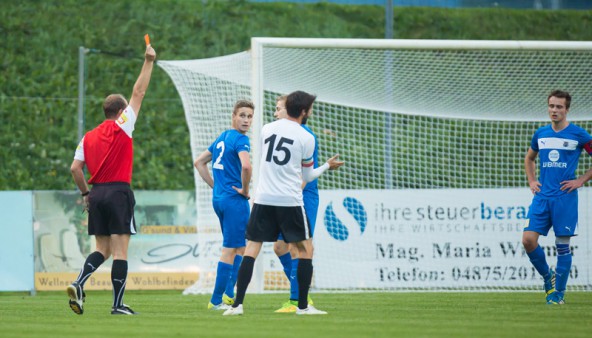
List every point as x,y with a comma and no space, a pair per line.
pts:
39,67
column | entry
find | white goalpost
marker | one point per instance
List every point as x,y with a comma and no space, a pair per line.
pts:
433,195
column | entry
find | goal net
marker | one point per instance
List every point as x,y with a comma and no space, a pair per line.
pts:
433,195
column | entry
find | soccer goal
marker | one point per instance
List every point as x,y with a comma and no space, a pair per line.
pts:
433,195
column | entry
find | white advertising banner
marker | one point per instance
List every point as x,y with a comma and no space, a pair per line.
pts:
174,253
446,238
166,253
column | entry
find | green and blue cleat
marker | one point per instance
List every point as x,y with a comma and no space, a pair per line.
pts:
227,299
550,283
555,298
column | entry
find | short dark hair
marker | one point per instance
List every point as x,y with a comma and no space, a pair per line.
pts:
113,104
298,101
562,95
242,104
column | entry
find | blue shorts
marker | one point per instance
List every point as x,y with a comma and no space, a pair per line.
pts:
311,208
561,213
233,213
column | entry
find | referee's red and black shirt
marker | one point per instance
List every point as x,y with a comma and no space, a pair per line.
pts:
108,150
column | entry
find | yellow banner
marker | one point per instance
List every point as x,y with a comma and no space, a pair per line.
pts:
168,229
52,281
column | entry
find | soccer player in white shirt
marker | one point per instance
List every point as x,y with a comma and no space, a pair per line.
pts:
286,160
287,254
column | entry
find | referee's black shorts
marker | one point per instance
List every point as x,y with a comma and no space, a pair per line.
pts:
111,209
267,221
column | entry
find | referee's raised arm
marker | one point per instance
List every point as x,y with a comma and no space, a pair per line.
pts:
143,80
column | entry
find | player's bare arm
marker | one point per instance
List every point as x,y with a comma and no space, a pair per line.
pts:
334,163
201,164
529,167
143,80
579,182
246,173
78,175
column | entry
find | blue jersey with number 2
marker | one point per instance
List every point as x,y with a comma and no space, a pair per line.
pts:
226,165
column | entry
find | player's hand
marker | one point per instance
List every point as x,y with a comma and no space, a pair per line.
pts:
535,186
571,185
242,192
334,163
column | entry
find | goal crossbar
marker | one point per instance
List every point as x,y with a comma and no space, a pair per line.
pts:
420,44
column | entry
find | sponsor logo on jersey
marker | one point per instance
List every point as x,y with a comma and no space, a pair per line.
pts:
554,165
553,158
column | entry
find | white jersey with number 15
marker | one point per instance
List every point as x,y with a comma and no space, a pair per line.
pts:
285,148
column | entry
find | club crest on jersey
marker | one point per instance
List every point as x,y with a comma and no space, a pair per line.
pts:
122,119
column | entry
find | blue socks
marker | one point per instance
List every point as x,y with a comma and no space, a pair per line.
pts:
286,261
290,269
563,267
539,261
222,278
233,276
294,280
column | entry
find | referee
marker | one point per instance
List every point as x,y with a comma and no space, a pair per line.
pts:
107,151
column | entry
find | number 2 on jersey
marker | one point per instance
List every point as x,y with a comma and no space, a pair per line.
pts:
217,164
279,148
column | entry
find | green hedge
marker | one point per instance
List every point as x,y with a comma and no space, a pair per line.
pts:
39,67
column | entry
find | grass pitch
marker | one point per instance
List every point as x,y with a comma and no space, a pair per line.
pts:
430,314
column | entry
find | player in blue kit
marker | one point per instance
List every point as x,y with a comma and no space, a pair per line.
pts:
232,173
555,202
288,255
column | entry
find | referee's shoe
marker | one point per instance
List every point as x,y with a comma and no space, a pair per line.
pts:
122,310
77,297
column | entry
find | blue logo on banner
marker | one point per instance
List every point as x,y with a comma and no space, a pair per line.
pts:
335,226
